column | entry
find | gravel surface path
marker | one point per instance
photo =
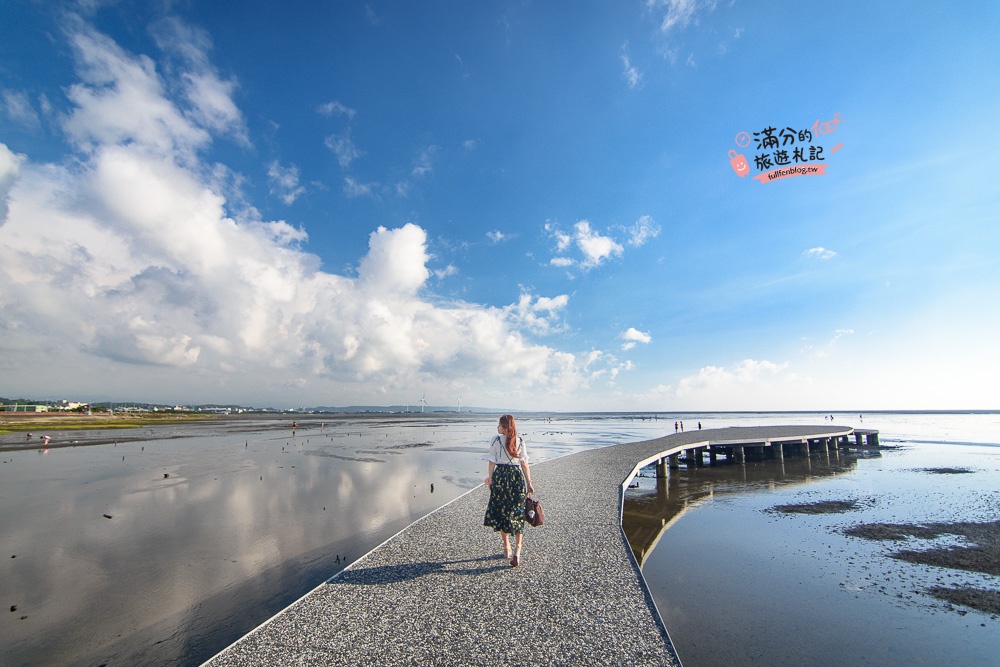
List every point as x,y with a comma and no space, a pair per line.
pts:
441,592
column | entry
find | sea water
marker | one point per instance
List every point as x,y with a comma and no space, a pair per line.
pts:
738,582
167,549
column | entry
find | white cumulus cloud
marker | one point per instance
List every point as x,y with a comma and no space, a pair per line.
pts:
10,166
128,271
17,107
539,314
345,150
336,108
678,14
562,239
631,336
744,373
632,76
644,229
746,385
596,248
820,253
424,162
355,188
285,182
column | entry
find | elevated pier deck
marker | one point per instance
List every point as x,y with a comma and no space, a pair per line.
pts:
441,592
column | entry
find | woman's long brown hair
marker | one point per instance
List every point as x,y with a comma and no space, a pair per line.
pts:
509,429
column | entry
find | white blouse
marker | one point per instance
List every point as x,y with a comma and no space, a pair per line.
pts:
498,451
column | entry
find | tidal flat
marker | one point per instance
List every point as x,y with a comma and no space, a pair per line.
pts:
162,545
883,557
170,541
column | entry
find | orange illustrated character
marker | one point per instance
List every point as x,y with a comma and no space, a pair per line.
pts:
738,163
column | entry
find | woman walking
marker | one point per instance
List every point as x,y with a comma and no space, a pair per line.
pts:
508,477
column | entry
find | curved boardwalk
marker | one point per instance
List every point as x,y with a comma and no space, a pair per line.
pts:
441,592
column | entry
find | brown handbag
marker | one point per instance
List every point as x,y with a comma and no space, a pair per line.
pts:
533,512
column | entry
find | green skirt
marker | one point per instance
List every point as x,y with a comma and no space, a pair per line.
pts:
505,512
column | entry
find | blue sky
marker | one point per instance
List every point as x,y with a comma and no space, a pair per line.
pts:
517,205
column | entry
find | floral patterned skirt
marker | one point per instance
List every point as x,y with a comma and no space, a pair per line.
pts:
505,511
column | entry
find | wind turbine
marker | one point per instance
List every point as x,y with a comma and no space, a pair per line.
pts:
459,403
423,402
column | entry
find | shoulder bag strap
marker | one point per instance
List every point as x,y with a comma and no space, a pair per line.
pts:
504,448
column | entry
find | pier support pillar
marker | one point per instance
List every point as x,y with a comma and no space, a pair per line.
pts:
712,456
779,451
873,440
858,440
740,455
661,468
674,463
662,488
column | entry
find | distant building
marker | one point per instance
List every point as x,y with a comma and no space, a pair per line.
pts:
24,408
69,405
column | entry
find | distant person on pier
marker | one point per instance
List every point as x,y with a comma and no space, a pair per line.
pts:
509,479
675,426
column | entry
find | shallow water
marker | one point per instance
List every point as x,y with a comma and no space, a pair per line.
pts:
738,583
251,517
214,528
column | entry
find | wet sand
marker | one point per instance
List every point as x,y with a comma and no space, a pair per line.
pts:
26,431
982,554
77,430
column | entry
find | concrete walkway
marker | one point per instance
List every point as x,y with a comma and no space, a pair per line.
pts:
441,592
